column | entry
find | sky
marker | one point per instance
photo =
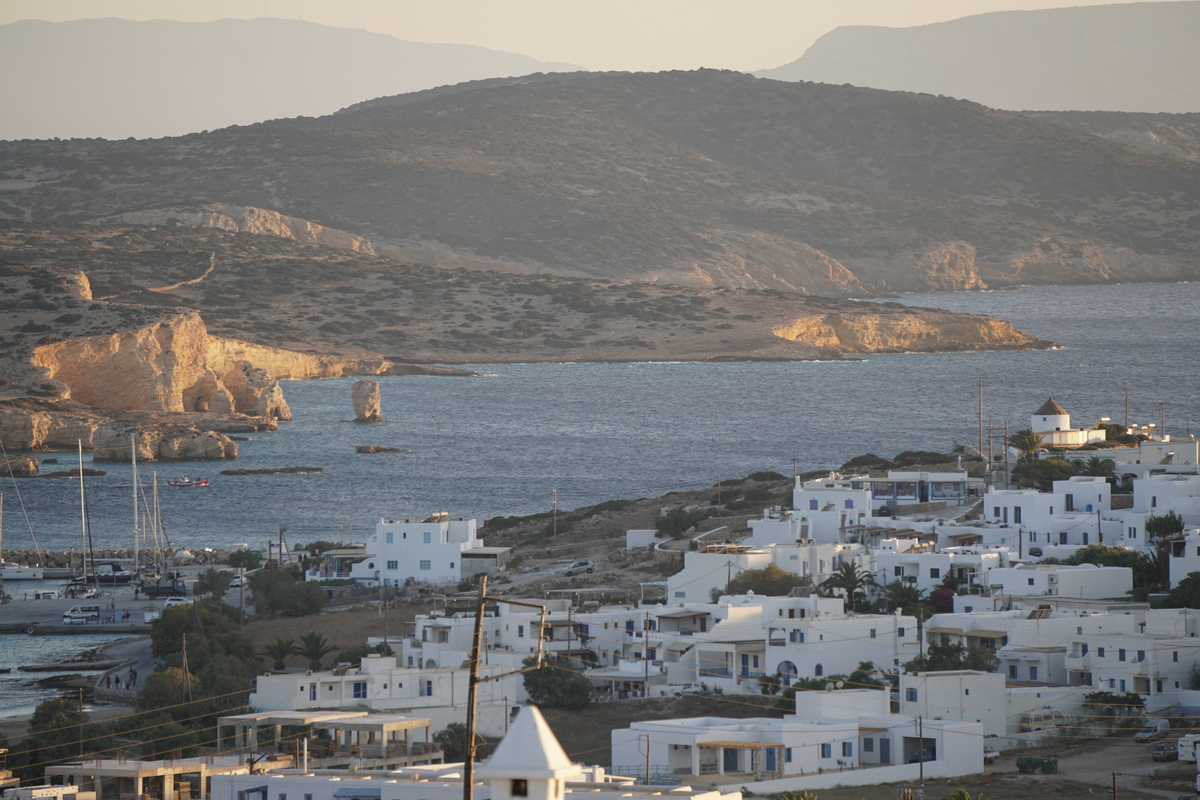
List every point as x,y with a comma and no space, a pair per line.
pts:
635,35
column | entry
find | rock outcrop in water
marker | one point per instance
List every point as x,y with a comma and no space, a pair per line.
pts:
897,329
365,396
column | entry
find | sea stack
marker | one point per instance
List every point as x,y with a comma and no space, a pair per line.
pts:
365,395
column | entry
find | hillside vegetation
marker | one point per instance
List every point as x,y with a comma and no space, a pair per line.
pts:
702,179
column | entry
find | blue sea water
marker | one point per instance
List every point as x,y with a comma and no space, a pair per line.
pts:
500,443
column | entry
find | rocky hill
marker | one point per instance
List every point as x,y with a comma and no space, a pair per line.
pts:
1176,135
1121,57
116,78
702,179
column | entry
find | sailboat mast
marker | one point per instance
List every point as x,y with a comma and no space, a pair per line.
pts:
2,546
82,518
133,460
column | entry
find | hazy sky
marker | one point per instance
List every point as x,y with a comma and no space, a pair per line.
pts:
597,34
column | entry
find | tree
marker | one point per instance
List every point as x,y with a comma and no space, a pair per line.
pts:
853,581
770,581
911,600
677,522
453,741
1045,471
279,650
558,683
944,655
1027,443
1097,467
284,591
1145,570
214,582
244,559
1186,593
1164,526
314,647
864,676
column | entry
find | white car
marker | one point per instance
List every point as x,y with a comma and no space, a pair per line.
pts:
171,602
236,582
578,567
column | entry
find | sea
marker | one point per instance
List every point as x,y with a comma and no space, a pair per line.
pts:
511,440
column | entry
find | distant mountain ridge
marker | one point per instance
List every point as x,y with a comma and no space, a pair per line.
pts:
702,179
1141,57
115,78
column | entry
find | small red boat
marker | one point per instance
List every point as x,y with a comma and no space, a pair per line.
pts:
185,482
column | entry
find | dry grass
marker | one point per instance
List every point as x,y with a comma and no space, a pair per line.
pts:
346,628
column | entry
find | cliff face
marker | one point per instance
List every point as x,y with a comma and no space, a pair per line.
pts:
895,331
246,219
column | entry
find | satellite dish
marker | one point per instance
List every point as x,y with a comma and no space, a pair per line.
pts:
829,687
840,684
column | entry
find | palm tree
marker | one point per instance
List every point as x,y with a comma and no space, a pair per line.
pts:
1027,442
899,595
852,580
279,650
315,647
1099,467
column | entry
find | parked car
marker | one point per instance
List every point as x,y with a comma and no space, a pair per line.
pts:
990,753
80,614
1165,751
236,582
691,689
1155,729
1187,746
1041,719
171,602
578,567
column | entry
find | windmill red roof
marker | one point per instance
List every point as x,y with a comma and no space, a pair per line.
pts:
1051,409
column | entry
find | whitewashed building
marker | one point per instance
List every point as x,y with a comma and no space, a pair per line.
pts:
432,550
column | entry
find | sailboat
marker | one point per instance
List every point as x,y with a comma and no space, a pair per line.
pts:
10,571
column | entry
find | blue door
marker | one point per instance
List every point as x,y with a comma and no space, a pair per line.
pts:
885,751
770,759
731,760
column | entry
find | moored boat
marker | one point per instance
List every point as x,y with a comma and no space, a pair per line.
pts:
183,481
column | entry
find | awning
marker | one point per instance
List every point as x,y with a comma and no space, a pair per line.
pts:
364,792
946,631
682,614
957,536
987,634
740,745
862,729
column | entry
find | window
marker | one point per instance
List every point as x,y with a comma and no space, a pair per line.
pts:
812,505
426,565
818,670
390,537
521,631
393,565
1154,502
868,745
360,689
847,749
308,797
910,695
898,572
796,636
1099,652
1033,673
282,796
899,631
996,511
1030,581
1121,654
849,504
1122,684
1141,655
935,572
1083,650
681,594
1175,656
872,633
520,787
312,691
787,754
1017,515
1012,671
827,750
427,689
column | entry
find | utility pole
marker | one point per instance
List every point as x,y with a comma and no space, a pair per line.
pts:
475,680
981,416
1007,474
1162,421
1114,785
281,530
81,723
718,488
921,753
185,685
554,500
473,690
1126,408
